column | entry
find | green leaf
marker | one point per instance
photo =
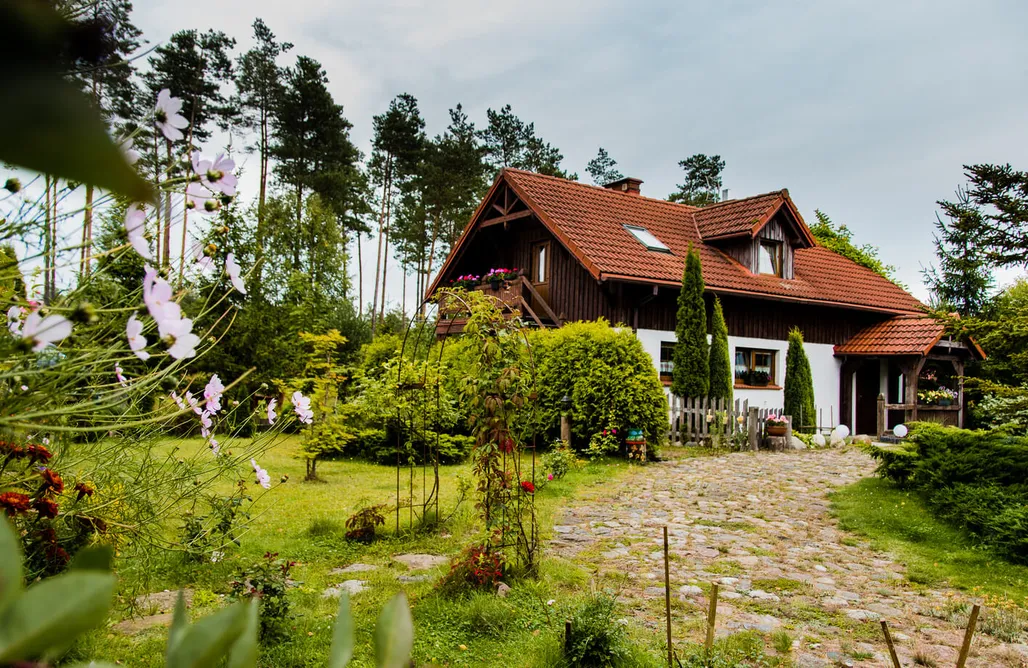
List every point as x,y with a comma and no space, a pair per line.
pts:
11,582
394,634
50,615
207,641
342,635
244,652
179,624
100,558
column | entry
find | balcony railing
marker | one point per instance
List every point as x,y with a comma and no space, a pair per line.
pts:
511,296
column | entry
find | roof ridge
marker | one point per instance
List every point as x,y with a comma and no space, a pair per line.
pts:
592,186
780,193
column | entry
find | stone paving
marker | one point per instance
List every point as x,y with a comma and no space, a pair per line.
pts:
759,525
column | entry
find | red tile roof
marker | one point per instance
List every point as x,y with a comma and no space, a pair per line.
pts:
902,335
736,217
590,221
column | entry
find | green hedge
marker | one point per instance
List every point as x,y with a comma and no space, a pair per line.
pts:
977,480
610,378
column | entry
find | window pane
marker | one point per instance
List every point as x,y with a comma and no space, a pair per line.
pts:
770,258
742,364
646,238
667,354
540,264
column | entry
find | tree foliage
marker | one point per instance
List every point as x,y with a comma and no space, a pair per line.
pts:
510,142
1002,192
603,168
691,374
722,378
963,280
839,238
799,383
702,186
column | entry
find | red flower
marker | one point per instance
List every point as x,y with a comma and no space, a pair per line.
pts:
38,453
528,486
11,451
507,445
52,483
46,508
14,503
84,489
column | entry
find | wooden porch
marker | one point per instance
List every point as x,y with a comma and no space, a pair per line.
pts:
517,298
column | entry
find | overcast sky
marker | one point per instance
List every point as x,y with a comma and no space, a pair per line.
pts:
865,110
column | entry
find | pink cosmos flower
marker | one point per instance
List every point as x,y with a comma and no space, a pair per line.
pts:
205,424
200,198
232,268
263,479
215,446
271,411
202,260
118,373
184,342
43,332
217,176
135,217
194,403
136,340
167,117
131,154
14,319
302,406
178,401
212,393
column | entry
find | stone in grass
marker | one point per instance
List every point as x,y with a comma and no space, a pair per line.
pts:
502,589
352,587
862,615
690,590
161,604
421,562
410,579
353,568
762,595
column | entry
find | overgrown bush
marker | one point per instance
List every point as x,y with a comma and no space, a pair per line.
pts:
608,376
977,480
267,581
595,638
361,525
559,459
478,567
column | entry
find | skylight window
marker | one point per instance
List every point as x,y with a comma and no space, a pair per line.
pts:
646,238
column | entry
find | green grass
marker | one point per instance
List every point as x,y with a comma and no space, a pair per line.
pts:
933,552
305,522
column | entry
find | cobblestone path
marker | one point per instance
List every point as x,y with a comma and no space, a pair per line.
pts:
759,525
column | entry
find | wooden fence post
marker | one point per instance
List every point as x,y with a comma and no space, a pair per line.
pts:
788,432
892,648
881,416
667,603
711,619
965,647
751,427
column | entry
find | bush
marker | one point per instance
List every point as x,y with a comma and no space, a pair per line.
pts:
559,459
266,581
361,525
609,377
595,638
977,480
479,567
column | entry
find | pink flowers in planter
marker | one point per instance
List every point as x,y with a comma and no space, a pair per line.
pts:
500,275
466,281
776,419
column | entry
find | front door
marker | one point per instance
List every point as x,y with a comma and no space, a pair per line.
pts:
868,388
540,276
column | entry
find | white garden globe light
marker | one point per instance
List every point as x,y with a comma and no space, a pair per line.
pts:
841,432
819,440
900,430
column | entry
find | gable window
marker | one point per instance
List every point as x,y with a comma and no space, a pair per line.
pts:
541,262
771,258
667,359
754,367
646,238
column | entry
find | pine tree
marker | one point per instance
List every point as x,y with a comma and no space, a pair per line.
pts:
510,142
702,185
603,168
691,374
799,383
963,280
259,83
721,376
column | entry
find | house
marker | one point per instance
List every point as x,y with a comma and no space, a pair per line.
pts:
587,252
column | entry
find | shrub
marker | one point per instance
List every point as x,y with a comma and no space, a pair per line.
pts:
361,525
478,567
266,582
721,374
594,637
608,376
559,459
799,383
691,374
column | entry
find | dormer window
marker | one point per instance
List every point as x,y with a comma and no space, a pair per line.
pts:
646,238
770,261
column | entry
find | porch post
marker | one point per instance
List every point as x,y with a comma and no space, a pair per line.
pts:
849,367
911,372
959,367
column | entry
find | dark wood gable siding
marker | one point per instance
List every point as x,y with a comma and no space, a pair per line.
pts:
747,251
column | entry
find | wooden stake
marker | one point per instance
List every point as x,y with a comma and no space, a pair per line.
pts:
965,648
711,618
667,603
888,641
567,635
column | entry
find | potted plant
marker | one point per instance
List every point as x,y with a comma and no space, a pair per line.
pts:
777,425
759,378
946,396
494,276
466,282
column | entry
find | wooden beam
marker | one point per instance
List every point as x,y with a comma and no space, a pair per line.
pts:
499,220
524,305
542,302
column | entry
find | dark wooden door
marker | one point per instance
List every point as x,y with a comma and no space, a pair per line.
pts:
868,388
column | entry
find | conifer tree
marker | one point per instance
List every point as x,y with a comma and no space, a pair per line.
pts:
963,280
702,185
603,168
691,374
799,383
721,376
510,142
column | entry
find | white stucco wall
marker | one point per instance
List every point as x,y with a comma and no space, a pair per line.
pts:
824,368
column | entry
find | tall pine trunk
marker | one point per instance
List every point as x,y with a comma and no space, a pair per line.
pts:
47,242
431,259
385,256
87,232
261,198
360,276
386,176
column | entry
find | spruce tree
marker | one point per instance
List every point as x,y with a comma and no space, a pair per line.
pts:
963,280
690,377
721,380
603,168
799,383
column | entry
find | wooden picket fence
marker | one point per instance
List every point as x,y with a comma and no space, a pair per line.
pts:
702,420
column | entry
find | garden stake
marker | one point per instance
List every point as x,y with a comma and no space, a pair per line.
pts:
667,603
567,636
968,634
888,641
711,618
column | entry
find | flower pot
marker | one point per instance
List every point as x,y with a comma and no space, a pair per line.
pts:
495,285
777,429
945,402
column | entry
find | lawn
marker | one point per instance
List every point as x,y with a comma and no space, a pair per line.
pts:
304,522
934,552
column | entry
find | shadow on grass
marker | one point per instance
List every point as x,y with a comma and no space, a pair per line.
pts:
934,553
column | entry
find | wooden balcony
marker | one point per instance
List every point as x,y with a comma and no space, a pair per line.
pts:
513,297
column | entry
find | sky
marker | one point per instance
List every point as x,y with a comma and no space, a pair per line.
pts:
865,110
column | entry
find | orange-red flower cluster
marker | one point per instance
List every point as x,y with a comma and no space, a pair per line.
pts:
14,502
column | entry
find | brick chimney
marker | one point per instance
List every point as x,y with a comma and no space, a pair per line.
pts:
626,185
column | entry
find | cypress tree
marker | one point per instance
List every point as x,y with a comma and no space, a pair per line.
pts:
720,362
799,383
690,377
